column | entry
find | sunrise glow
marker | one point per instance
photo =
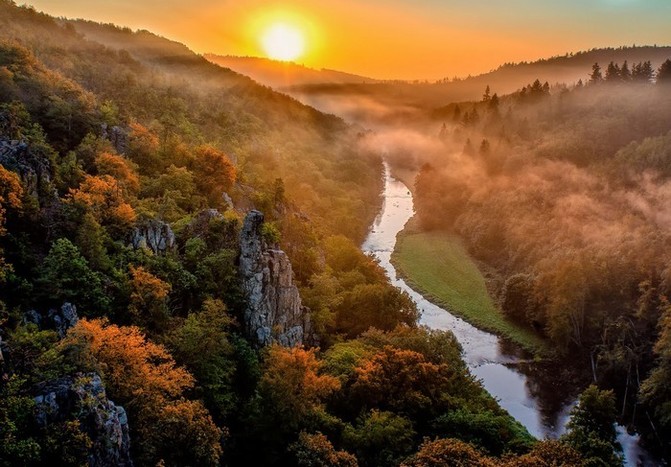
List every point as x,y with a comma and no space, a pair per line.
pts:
283,42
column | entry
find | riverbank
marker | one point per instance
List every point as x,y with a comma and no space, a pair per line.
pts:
437,265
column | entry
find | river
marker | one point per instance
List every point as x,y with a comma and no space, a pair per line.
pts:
537,395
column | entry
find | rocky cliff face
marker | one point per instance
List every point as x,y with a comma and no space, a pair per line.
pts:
274,313
155,235
83,397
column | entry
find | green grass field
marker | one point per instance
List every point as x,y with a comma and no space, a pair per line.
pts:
437,265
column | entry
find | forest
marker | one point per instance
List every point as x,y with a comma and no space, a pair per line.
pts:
128,169
561,194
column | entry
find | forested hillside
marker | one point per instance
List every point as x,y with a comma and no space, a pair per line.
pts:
563,194
127,166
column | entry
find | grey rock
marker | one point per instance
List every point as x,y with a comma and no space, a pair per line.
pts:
83,397
60,320
33,169
155,235
274,312
117,136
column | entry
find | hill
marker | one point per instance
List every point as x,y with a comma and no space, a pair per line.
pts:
396,101
279,75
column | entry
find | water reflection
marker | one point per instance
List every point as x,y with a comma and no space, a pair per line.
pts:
539,395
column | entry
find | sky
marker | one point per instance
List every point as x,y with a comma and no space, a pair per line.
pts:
391,39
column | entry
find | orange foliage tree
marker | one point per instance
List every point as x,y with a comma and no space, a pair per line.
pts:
214,172
121,169
293,384
148,298
10,194
143,377
10,197
403,381
104,197
448,453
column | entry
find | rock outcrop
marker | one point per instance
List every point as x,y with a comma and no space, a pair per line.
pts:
83,397
274,311
155,235
33,168
59,320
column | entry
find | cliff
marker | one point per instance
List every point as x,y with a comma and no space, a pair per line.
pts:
274,312
83,396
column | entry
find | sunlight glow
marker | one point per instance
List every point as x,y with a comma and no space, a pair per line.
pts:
283,42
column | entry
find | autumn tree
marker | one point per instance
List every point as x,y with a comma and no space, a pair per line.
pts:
143,149
148,298
215,173
315,450
103,196
121,169
404,382
447,452
11,192
143,377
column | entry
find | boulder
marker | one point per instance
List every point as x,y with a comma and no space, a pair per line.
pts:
274,312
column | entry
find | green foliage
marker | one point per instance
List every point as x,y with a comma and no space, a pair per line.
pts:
18,446
202,345
66,276
380,438
591,429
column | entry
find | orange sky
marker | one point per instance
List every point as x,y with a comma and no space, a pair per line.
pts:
421,39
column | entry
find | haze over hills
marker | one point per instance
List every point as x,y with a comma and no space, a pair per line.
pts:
367,100
279,74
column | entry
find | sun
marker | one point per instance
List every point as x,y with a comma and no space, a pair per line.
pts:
282,41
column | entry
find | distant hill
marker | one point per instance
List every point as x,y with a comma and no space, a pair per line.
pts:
389,100
277,74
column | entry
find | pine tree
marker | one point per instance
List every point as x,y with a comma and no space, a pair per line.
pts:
596,76
613,72
486,96
625,74
664,73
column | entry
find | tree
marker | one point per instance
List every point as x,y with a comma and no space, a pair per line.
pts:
143,377
447,452
664,73
215,173
625,73
486,96
655,390
547,453
11,193
315,450
202,344
596,77
404,382
121,169
148,298
613,73
104,197
143,149
591,429
380,438
66,276
293,386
